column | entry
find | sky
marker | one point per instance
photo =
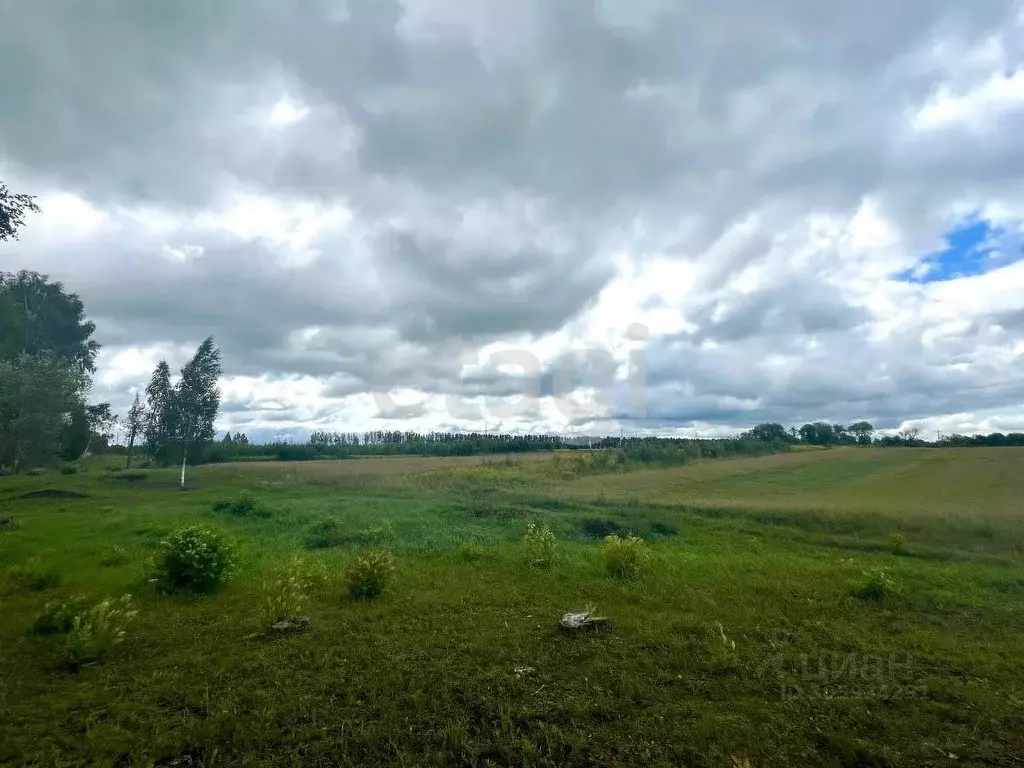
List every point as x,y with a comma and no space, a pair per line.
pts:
583,216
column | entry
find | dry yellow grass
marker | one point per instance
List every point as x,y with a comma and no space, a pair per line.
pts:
984,483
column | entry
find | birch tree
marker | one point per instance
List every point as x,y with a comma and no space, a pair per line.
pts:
196,400
134,423
160,416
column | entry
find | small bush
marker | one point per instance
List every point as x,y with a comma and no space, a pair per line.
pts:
379,534
58,616
541,544
34,577
114,556
325,533
875,585
625,557
896,543
97,631
286,593
471,551
194,559
69,469
244,504
369,573
35,472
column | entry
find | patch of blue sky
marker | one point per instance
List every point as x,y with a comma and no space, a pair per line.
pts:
973,247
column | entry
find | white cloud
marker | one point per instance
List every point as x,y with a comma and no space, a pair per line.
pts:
382,200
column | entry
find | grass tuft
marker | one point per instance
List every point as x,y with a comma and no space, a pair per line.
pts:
625,557
369,574
875,585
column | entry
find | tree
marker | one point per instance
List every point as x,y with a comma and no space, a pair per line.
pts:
39,316
160,416
36,394
862,431
818,433
88,428
768,432
839,435
135,423
12,212
196,400
48,356
908,435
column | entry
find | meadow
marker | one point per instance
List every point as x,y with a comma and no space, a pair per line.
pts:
843,607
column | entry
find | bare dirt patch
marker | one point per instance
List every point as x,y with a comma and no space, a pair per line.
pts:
53,493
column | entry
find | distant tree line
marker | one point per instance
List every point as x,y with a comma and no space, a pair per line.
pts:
334,445
340,445
667,451
863,433
992,440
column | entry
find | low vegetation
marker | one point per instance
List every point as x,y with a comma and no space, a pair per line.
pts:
875,585
194,559
541,545
625,556
95,632
369,574
286,592
762,612
243,504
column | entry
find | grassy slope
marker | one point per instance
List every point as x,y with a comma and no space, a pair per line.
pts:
768,547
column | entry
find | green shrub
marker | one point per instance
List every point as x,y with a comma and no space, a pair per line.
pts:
35,472
541,545
471,551
114,556
896,543
69,469
244,504
369,573
325,533
286,593
625,557
194,559
379,534
58,616
97,631
32,576
875,585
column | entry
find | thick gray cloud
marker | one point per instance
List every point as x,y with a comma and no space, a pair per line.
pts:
478,173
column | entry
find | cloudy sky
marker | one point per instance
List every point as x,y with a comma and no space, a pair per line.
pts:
585,215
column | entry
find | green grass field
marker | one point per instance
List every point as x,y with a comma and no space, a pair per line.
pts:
742,642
